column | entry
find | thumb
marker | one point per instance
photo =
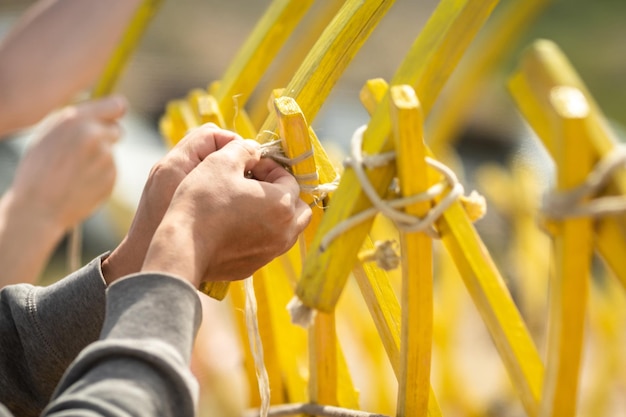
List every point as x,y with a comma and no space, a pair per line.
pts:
202,141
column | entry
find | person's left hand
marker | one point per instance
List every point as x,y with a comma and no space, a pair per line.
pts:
69,170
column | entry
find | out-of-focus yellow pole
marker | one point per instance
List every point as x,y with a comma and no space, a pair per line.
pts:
105,85
286,64
543,67
574,247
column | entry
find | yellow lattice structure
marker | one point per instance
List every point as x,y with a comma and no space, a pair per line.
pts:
415,310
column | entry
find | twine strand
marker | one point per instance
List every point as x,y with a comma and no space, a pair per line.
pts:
256,346
273,149
403,221
560,205
285,410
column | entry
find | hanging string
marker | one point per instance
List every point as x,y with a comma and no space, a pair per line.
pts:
256,346
561,205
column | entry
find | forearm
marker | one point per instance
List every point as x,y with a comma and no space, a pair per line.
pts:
56,49
141,363
42,330
27,240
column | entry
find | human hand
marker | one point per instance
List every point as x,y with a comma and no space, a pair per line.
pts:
69,170
221,225
160,186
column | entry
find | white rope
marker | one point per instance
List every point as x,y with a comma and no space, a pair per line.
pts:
256,346
273,150
568,204
405,222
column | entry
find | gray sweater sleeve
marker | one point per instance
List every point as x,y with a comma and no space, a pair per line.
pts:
42,330
140,365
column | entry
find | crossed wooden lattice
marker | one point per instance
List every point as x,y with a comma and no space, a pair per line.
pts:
552,99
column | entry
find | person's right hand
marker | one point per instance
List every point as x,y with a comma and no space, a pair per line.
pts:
221,225
69,170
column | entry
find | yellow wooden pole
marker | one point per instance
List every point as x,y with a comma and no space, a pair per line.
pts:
431,59
257,53
130,40
329,57
417,257
543,67
205,107
325,381
283,68
385,310
574,246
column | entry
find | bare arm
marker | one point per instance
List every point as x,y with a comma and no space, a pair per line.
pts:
56,49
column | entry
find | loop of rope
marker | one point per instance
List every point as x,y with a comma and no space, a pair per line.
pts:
405,222
273,150
568,204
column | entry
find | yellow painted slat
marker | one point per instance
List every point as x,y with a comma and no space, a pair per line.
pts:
329,57
417,256
129,42
205,107
374,283
290,342
573,249
513,191
543,67
284,345
283,68
328,383
177,120
385,310
495,304
257,53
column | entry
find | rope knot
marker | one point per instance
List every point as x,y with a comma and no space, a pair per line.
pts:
385,255
560,205
389,208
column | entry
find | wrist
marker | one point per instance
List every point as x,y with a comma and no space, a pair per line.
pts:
24,216
172,251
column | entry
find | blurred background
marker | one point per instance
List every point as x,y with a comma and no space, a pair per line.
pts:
190,44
